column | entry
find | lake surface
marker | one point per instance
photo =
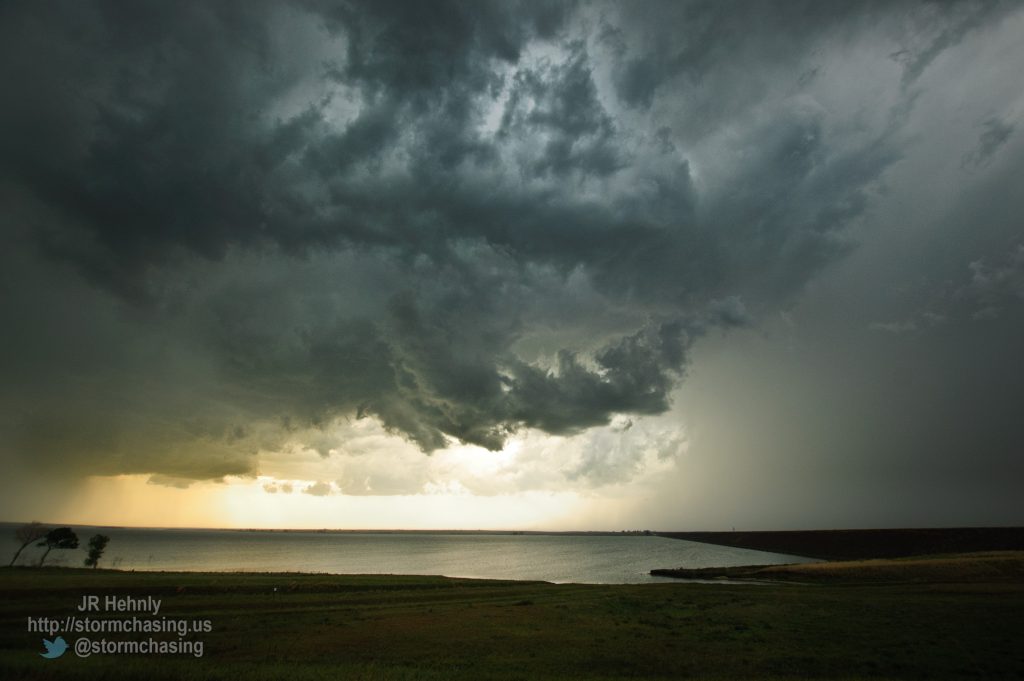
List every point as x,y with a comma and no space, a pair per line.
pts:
595,559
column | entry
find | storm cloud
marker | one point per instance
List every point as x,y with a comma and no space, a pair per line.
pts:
229,226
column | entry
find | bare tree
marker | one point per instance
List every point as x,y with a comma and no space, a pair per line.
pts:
25,535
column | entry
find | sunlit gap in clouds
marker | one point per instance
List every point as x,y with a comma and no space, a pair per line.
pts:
375,480
130,500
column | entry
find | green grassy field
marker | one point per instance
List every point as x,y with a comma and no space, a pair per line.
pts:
393,627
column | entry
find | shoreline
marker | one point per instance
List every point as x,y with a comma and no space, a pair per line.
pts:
863,544
960,568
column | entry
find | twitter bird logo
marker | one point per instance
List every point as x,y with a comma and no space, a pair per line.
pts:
54,648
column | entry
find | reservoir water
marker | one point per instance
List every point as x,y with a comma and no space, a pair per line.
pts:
593,558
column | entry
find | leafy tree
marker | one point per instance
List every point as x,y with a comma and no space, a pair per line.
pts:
25,535
97,544
59,538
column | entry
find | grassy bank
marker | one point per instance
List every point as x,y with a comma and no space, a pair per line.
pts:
997,566
864,544
390,627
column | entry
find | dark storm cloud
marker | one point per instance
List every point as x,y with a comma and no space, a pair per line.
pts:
274,216
962,19
995,132
666,59
995,288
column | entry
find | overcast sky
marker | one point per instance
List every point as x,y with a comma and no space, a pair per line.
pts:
681,265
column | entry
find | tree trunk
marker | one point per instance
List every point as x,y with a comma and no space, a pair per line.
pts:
18,553
41,560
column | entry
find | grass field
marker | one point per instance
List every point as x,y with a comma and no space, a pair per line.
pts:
394,627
